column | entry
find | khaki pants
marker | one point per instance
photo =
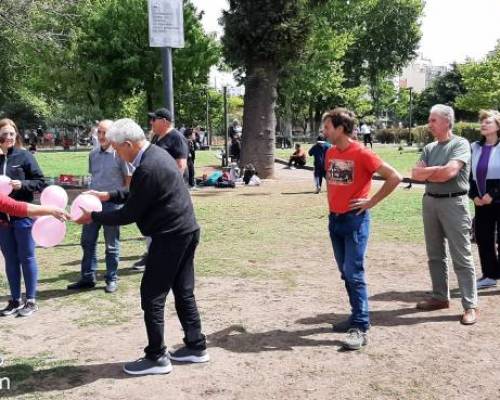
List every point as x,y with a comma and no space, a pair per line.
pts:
448,218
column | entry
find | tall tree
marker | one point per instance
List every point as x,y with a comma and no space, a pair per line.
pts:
482,82
261,38
445,89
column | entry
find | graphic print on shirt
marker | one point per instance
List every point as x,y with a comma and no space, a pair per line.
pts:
340,172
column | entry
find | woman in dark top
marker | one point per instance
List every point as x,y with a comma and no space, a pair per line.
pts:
16,242
485,192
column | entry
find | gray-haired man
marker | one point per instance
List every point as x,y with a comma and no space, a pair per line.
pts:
445,166
159,203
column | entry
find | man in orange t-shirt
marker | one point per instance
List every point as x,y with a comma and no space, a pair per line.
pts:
349,170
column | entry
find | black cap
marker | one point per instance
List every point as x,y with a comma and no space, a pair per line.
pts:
161,113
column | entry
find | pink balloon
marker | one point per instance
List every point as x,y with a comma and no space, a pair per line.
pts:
48,231
5,187
87,202
54,195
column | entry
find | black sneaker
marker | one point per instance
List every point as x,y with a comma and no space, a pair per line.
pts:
12,308
185,354
29,308
140,265
144,366
80,285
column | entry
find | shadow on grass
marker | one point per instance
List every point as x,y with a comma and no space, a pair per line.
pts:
25,379
236,339
417,295
101,260
77,244
398,317
295,193
72,277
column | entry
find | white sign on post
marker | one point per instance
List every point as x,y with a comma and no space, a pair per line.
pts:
166,23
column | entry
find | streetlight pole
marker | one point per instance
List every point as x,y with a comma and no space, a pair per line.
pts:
225,161
168,80
410,117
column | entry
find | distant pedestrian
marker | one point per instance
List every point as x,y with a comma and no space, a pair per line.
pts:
367,135
318,151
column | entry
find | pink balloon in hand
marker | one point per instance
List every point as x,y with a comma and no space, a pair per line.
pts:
87,202
5,187
48,231
54,195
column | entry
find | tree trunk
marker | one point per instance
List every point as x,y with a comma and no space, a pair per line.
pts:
259,119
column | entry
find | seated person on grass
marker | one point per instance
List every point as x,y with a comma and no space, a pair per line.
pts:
298,158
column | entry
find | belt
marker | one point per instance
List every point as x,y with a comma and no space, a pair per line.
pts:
445,195
346,213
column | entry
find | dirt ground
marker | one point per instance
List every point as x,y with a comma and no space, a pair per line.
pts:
271,340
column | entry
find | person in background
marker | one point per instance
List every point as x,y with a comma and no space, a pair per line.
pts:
318,151
235,149
485,192
366,131
108,172
298,158
189,135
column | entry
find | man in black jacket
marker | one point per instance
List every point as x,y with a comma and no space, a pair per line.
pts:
159,202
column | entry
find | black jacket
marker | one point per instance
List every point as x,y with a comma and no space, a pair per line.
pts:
157,201
22,166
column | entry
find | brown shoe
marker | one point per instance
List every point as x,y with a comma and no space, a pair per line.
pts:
433,304
469,317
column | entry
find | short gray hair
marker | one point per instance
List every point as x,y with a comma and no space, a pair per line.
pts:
446,112
123,130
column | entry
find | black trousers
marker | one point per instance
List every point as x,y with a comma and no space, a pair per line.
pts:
487,222
368,139
296,161
170,265
190,167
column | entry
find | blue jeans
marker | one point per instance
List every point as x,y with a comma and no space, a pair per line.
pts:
18,249
349,234
319,174
90,234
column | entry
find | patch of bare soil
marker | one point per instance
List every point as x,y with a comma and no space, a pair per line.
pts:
270,339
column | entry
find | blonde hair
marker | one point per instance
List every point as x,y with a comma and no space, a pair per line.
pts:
9,122
485,114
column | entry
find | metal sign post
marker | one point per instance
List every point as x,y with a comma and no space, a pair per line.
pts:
166,30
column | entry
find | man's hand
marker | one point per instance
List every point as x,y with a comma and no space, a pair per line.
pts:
487,199
102,196
478,202
421,164
58,213
85,219
361,205
16,185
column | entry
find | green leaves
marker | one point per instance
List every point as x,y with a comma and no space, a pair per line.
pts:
482,81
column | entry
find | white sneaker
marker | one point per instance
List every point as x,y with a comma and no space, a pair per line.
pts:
484,283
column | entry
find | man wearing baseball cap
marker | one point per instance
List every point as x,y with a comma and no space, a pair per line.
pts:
171,140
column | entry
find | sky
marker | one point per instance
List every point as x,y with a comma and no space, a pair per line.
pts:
452,29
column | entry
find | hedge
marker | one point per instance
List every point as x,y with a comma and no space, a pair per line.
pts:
421,134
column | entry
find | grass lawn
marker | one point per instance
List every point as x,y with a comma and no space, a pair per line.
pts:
54,164
402,161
